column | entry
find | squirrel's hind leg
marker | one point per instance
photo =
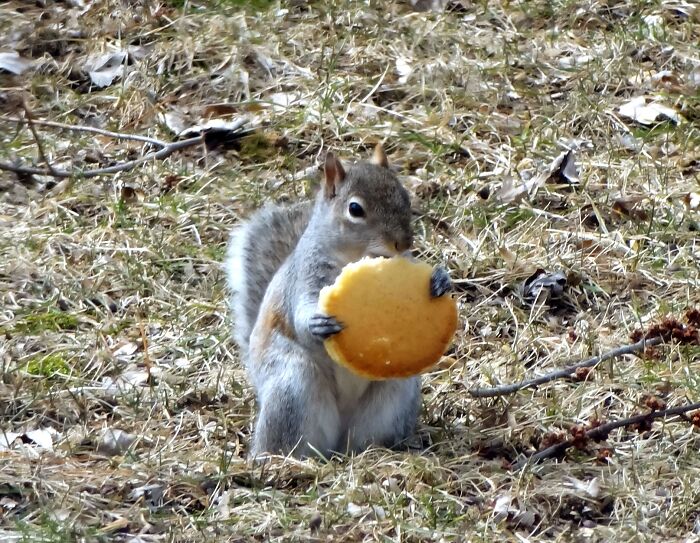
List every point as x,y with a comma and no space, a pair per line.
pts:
387,415
298,414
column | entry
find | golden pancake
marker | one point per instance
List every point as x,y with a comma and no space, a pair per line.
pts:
392,326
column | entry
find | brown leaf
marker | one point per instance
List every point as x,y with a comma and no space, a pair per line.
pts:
130,195
170,182
219,110
631,207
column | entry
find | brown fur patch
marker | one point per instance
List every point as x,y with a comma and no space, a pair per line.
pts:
271,320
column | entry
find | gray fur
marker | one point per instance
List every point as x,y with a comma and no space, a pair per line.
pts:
255,253
277,264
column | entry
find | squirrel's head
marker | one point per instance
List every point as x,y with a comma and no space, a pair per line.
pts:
371,210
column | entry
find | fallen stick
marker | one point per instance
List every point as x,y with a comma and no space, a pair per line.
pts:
91,129
601,432
161,154
567,371
29,120
166,149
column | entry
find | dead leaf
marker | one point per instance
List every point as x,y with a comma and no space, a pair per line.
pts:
126,350
115,442
562,168
567,170
104,69
646,112
507,508
501,506
404,69
654,25
8,504
42,437
152,495
551,284
220,133
666,79
7,439
170,182
355,510
131,195
219,110
692,200
511,192
175,121
630,206
588,488
133,377
13,63
285,100
429,5
694,78
574,61
439,5
508,256
224,127
629,142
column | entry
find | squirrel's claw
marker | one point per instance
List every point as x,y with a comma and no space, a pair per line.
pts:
323,326
440,283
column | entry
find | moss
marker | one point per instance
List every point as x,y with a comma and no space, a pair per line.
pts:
48,321
118,327
257,147
48,366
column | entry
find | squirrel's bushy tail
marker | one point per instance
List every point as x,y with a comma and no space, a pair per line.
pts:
256,251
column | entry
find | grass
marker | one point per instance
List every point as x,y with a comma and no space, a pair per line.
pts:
113,309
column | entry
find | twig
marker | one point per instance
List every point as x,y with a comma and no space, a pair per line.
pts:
601,432
502,390
81,128
161,154
166,149
30,122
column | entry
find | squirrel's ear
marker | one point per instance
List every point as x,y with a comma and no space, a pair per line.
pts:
334,174
379,157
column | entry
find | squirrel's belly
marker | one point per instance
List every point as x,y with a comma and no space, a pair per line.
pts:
349,388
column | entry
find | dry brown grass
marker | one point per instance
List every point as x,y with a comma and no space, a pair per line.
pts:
113,304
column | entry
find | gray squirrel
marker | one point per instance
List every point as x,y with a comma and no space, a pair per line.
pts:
276,265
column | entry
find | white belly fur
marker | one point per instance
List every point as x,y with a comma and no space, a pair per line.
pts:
350,388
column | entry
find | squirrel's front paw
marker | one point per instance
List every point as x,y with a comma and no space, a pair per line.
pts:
323,326
440,283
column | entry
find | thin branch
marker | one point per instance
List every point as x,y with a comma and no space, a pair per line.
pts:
161,154
602,431
80,128
30,122
567,371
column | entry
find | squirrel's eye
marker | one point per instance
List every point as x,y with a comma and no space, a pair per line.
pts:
356,210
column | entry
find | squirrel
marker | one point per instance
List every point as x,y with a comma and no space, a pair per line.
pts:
276,264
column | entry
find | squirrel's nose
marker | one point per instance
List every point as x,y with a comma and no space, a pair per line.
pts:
404,244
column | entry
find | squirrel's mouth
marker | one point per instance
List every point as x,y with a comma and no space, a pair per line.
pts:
385,254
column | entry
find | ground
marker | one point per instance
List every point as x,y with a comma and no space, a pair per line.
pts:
125,411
